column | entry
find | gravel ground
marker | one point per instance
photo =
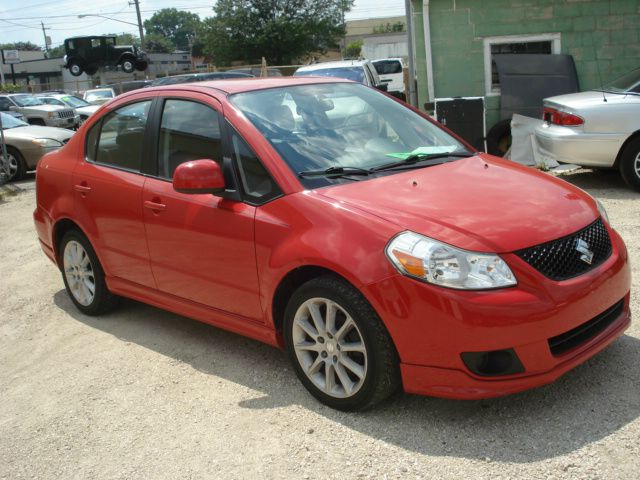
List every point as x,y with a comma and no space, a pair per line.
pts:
142,393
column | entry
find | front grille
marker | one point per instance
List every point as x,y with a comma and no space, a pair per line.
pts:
576,337
65,113
561,260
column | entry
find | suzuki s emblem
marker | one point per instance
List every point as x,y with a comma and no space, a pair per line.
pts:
583,248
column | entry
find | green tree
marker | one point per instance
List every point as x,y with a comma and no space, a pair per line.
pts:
178,27
353,49
282,31
156,43
20,46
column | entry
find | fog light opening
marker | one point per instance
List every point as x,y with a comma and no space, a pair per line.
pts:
493,363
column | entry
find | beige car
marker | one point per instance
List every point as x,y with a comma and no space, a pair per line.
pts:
26,144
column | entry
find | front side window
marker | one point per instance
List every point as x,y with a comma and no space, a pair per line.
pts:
318,126
117,140
53,101
188,131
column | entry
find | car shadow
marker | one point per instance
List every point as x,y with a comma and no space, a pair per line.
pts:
607,183
586,405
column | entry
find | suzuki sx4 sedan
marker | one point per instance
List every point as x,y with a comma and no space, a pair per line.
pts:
326,218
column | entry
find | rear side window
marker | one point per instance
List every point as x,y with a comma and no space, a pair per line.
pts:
117,140
188,131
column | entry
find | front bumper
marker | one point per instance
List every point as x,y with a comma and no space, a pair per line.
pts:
571,145
432,326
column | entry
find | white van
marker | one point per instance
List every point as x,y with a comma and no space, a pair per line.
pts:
390,72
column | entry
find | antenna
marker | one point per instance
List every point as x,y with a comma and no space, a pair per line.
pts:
604,98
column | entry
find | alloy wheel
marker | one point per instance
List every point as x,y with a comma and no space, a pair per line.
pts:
329,347
636,165
79,273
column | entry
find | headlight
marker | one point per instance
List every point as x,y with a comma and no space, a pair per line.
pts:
51,114
435,262
46,142
602,210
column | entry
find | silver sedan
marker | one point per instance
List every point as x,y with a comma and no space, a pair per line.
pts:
598,128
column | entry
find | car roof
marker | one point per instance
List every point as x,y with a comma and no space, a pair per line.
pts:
239,85
329,65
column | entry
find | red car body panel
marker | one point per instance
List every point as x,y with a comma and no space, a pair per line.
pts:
221,261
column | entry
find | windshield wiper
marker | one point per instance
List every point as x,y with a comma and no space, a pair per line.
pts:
420,158
335,171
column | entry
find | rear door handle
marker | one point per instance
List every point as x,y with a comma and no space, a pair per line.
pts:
154,206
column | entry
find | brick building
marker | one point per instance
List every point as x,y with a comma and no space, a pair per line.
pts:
456,39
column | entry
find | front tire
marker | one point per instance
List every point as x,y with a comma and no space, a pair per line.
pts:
75,68
17,165
630,164
83,275
338,346
128,66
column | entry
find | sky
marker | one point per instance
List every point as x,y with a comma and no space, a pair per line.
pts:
20,19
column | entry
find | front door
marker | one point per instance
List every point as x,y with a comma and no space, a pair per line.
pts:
201,246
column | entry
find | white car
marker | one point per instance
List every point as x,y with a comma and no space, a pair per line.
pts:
598,128
83,108
98,96
361,71
390,72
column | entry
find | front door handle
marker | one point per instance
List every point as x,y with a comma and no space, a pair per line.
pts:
154,206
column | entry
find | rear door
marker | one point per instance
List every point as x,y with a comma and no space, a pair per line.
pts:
201,246
108,192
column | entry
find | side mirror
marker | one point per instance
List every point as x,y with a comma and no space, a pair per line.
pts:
198,176
382,86
13,108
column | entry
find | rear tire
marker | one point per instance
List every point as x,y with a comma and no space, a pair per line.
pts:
499,138
630,164
83,275
346,358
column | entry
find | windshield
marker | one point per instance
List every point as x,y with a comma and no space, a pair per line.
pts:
628,83
318,126
74,102
27,100
350,73
387,67
9,121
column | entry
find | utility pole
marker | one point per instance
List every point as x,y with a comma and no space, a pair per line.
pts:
44,32
137,4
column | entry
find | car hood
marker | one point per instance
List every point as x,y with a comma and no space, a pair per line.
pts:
43,108
27,133
480,203
579,100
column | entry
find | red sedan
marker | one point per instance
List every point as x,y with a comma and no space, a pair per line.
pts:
328,219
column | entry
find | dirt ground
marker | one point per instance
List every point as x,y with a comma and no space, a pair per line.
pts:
145,394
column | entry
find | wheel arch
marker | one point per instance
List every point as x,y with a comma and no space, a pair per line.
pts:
60,228
292,280
630,138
